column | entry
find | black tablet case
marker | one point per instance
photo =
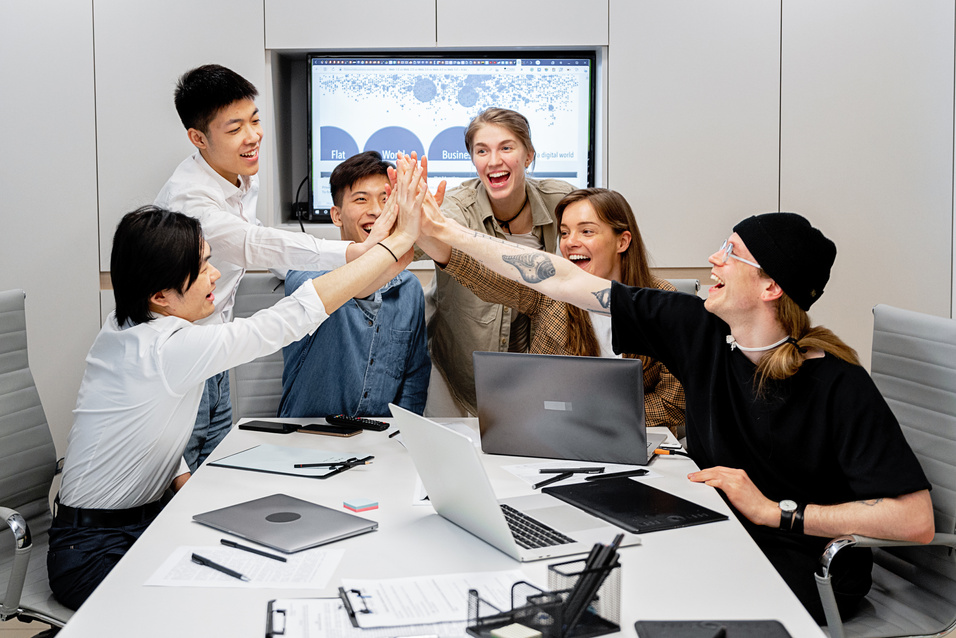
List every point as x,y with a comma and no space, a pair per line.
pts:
710,628
633,506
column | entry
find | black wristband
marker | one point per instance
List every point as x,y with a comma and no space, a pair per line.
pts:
389,251
796,525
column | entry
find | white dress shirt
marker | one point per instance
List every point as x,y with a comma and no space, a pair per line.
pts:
141,389
238,239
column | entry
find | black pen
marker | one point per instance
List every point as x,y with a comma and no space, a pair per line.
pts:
349,466
332,464
599,477
572,470
205,562
553,479
234,545
394,434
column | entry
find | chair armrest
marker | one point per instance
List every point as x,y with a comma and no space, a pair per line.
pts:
824,585
10,604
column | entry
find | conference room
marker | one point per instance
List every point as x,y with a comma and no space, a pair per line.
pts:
704,113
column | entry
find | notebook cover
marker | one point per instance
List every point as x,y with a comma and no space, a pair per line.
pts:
710,629
633,506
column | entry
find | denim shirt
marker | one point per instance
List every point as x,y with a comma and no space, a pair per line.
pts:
367,354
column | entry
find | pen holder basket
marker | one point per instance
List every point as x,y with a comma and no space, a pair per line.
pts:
554,613
606,602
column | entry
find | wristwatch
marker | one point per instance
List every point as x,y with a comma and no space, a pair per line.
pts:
787,508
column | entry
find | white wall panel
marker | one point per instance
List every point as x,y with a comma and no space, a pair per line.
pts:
141,50
693,90
867,151
327,24
48,241
556,23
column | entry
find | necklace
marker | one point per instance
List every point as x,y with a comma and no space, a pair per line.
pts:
733,344
505,223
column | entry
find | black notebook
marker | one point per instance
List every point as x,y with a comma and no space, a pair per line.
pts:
634,506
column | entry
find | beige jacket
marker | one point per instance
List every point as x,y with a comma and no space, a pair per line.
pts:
462,323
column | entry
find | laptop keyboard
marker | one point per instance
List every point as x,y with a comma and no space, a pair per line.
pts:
531,534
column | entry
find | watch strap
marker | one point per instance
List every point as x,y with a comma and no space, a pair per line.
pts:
796,525
786,520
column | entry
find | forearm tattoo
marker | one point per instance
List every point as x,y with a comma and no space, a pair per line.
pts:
534,268
603,297
872,502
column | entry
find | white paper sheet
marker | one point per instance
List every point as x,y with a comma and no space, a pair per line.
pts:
312,568
426,599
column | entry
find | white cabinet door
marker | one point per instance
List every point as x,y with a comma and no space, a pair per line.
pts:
349,24
48,241
867,151
141,49
692,117
524,23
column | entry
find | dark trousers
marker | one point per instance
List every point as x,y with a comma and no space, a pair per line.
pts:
797,561
81,557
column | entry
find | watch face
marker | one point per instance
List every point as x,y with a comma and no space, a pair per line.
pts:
788,506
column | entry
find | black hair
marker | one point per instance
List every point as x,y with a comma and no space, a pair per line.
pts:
204,91
153,250
353,169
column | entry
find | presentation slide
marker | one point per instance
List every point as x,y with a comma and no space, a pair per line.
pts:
394,105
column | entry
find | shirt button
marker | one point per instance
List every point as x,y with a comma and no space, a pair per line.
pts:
370,323
365,396
371,361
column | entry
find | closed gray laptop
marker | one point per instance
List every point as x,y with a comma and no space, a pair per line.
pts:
285,523
453,475
563,407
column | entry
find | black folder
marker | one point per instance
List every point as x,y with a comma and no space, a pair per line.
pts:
634,506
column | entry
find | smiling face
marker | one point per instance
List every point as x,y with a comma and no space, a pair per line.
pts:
738,286
231,144
500,160
197,301
590,243
362,203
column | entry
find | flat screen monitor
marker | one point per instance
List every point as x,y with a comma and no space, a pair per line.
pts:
423,102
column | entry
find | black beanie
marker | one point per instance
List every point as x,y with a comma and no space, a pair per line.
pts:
792,252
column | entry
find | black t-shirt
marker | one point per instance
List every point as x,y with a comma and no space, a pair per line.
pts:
823,436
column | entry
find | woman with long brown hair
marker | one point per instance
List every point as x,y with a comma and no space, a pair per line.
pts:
597,233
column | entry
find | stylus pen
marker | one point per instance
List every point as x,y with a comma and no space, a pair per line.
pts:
598,477
205,562
553,479
572,470
394,434
350,465
253,550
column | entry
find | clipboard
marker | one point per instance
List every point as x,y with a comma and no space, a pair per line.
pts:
325,618
280,459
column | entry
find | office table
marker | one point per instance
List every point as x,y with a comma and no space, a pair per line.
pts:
712,571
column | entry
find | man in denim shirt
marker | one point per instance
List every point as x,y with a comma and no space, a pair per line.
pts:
371,351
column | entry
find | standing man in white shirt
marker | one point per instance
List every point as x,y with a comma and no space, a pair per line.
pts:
219,186
146,372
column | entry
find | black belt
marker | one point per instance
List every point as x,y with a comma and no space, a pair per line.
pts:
67,516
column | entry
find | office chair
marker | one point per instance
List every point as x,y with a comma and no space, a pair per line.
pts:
690,286
27,466
256,387
914,586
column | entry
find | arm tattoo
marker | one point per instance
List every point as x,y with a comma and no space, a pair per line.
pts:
487,237
603,297
872,502
533,268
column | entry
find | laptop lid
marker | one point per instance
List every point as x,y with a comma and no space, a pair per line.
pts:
285,523
563,407
458,488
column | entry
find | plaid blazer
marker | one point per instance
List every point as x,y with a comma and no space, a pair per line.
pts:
550,321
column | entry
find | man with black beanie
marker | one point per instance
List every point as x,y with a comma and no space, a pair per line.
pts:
780,414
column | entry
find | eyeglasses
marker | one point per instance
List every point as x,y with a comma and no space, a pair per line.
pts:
727,248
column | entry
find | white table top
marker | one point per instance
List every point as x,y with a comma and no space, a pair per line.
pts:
711,571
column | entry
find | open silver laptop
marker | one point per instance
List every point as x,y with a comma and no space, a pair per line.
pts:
458,488
563,407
